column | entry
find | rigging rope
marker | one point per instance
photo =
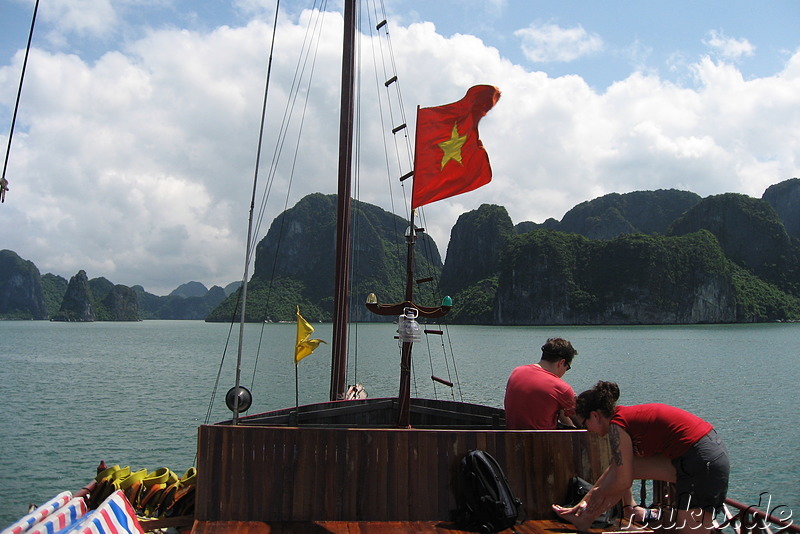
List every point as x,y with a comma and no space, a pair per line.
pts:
242,298
384,64
309,49
3,180
222,361
295,113
311,40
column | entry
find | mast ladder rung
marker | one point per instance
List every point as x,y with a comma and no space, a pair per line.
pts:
407,175
424,280
398,128
381,24
442,381
390,81
435,332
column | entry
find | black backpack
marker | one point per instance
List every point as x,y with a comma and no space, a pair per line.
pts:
486,503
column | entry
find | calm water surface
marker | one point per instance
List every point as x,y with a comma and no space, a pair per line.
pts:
135,393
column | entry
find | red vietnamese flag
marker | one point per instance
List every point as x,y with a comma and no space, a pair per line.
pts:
449,158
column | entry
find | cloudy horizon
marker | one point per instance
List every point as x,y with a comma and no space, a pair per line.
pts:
135,144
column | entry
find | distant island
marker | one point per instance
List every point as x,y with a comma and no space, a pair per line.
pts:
646,257
27,295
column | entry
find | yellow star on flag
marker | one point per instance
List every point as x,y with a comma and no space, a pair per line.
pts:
452,147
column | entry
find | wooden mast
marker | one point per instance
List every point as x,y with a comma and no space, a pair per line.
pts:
341,295
404,394
424,312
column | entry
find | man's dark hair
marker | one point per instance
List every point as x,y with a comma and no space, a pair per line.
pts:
557,349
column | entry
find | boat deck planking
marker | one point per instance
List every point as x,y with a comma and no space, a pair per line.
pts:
537,526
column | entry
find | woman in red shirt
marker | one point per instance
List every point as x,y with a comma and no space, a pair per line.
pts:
652,442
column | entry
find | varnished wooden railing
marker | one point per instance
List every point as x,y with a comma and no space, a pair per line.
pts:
738,517
749,519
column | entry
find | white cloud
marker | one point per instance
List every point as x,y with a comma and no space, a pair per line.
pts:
543,43
728,47
94,18
138,166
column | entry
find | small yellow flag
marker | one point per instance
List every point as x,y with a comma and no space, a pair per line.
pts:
304,346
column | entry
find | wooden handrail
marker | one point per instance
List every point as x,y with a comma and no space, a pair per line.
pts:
750,519
747,519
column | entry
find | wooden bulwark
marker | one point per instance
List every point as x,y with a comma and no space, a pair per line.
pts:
383,413
284,474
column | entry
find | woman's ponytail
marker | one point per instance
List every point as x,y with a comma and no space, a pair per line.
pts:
601,398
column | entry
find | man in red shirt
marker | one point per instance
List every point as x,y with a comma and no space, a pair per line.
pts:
536,396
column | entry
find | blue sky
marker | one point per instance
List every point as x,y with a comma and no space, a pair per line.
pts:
134,144
658,35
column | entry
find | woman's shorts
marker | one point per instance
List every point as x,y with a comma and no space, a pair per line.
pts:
702,474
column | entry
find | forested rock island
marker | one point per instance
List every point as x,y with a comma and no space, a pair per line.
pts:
646,257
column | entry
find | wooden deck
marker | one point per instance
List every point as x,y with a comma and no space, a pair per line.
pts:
538,526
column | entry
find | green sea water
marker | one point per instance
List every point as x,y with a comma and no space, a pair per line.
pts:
135,393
